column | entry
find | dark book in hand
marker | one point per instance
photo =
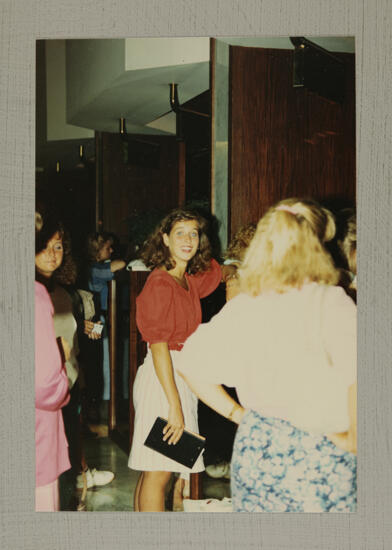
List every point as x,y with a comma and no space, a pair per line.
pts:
187,449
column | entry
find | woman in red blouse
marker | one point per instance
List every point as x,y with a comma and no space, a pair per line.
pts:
167,312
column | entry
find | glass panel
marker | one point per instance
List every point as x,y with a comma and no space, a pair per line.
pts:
220,145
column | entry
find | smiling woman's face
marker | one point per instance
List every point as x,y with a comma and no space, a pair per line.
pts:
49,259
183,240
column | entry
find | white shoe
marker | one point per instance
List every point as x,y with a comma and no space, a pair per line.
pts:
222,469
94,478
208,505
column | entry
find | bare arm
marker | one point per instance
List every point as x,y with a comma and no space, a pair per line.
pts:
64,348
232,288
228,272
217,398
348,440
116,265
164,370
230,277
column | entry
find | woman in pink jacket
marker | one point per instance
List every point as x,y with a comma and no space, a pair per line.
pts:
51,394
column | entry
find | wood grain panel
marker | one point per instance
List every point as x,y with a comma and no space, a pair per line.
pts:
181,172
137,348
112,326
131,189
285,141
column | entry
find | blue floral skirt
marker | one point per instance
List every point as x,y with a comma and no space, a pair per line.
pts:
276,467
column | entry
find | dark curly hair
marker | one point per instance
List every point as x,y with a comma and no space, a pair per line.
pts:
240,242
45,229
347,237
155,254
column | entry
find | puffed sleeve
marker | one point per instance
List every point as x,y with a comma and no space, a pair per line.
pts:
207,281
155,311
214,352
51,382
339,328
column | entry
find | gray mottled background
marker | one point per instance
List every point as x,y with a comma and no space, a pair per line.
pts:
21,23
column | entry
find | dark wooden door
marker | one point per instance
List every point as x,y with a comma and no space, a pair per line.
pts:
137,348
285,141
135,186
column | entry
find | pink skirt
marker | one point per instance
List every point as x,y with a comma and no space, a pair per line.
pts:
47,497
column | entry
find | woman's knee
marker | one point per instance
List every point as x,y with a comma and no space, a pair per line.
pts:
156,478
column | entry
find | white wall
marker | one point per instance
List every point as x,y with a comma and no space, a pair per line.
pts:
57,127
92,67
147,53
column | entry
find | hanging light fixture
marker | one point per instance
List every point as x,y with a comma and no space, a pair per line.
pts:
179,110
82,160
123,128
175,104
137,151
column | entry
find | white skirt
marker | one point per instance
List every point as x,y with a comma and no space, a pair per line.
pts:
150,401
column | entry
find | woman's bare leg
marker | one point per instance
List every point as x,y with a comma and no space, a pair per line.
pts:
178,494
137,493
152,491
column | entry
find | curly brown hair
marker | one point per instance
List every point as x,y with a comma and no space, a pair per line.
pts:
45,229
67,272
347,240
240,242
155,254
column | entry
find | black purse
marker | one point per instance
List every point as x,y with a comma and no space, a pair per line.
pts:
187,449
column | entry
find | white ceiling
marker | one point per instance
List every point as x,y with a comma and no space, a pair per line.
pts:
123,88
142,97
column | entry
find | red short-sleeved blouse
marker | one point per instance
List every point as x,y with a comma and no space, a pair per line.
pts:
166,312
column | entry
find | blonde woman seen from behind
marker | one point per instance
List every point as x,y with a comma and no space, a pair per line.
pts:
287,344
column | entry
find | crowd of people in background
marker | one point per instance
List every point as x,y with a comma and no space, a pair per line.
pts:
278,360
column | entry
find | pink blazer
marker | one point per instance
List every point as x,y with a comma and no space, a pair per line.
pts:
51,393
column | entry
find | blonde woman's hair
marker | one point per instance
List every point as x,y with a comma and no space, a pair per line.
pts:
287,250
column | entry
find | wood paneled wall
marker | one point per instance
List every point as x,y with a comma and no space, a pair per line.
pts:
285,141
128,189
69,197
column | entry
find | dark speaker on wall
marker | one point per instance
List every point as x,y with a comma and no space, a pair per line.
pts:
318,70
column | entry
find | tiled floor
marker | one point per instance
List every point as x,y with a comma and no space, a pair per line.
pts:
104,454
